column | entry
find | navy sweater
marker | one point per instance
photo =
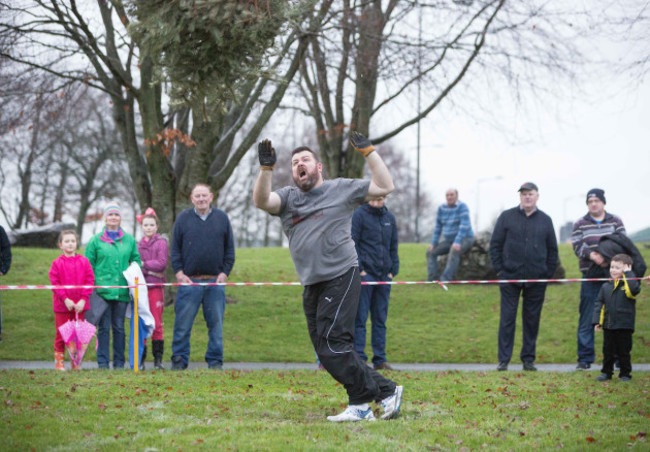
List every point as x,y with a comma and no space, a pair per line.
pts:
202,247
524,247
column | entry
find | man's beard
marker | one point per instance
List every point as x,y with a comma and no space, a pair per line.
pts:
308,183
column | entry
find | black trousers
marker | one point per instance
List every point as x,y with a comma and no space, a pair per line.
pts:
330,308
617,344
531,311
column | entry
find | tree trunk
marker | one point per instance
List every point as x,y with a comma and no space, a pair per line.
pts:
371,26
161,174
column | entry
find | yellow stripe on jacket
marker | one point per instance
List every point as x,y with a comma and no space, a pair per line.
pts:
628,294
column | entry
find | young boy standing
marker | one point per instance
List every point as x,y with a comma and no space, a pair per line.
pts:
614,314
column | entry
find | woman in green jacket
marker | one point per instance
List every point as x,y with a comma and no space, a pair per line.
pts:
110,253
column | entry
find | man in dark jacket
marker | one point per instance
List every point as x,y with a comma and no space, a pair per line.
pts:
523,246
5,262
374,232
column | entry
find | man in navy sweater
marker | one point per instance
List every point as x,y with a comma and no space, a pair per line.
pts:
523,246
203,251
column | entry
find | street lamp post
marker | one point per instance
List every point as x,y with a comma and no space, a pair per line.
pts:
478,191
417,178
568,198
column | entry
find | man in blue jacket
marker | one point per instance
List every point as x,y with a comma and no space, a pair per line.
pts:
374,232
203,251
523,246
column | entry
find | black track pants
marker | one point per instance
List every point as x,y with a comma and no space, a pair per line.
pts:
330,308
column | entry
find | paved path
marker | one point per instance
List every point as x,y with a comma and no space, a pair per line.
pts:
442,367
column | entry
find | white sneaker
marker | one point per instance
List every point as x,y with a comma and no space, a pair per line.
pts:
353,413
392,404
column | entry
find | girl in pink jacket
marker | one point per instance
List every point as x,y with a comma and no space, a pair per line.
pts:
154,253
69,269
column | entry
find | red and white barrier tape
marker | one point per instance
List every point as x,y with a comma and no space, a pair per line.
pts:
368,283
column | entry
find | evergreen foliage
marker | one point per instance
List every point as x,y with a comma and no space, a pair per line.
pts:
206,47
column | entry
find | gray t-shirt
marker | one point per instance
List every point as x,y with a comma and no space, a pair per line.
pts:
318,224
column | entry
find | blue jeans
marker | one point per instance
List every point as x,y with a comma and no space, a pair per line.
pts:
453,259
588,294
188,301
373,299
113,318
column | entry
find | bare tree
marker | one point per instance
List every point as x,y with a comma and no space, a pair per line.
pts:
92,45
26,148
365,69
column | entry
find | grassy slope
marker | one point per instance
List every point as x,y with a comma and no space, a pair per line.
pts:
425,323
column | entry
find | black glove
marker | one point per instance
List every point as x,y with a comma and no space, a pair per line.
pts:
361,143
266,154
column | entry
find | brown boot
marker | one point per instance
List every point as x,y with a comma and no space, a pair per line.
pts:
58,361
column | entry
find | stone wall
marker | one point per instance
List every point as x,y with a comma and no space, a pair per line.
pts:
476,264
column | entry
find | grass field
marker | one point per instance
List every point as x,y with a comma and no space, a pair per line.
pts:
285,411
280,411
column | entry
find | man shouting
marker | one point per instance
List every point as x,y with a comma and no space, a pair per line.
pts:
316,217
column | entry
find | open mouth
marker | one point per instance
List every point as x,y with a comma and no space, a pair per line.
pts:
302,173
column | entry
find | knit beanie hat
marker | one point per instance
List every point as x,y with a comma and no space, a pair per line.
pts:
596,193
112,207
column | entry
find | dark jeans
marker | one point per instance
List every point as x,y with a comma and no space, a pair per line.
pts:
373,299
588,293
188,301
453,259
531,311
617,344
113,318
330,309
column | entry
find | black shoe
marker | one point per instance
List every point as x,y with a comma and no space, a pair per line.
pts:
583,366
529,366
502,366
157,349
626,378
603,377
177,363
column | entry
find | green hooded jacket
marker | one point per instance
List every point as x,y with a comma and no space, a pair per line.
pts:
109,259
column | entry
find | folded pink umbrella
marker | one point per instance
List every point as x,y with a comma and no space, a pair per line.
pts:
77,334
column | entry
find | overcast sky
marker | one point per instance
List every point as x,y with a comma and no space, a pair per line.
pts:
599,139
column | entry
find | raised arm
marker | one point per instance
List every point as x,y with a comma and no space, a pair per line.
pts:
381,183
263,197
